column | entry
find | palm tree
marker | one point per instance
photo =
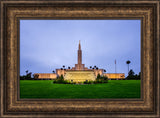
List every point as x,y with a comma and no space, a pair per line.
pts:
128,62
63,66
69,67
53,71
90,67
96,68
104,70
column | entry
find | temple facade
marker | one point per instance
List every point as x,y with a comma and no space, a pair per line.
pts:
79,72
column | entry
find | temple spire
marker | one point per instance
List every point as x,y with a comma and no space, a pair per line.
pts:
79,65
79,54
79,47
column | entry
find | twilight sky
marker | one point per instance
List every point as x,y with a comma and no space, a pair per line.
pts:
49,44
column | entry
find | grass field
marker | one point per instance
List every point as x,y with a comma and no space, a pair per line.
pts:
112,89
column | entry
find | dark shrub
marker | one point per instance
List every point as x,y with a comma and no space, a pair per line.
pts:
99,79
132,76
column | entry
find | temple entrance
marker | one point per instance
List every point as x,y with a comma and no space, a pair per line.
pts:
79,76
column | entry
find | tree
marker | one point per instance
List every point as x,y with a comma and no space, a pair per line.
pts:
139,76
133,76
101,79
36,76
53,71
61,77
104,70
131,73
29,75
63,66
128,62
69,67
90,67
96,68
98,76
26,72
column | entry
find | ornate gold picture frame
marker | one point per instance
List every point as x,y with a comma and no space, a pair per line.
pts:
145,10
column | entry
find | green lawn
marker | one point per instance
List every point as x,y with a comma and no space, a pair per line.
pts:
112,89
